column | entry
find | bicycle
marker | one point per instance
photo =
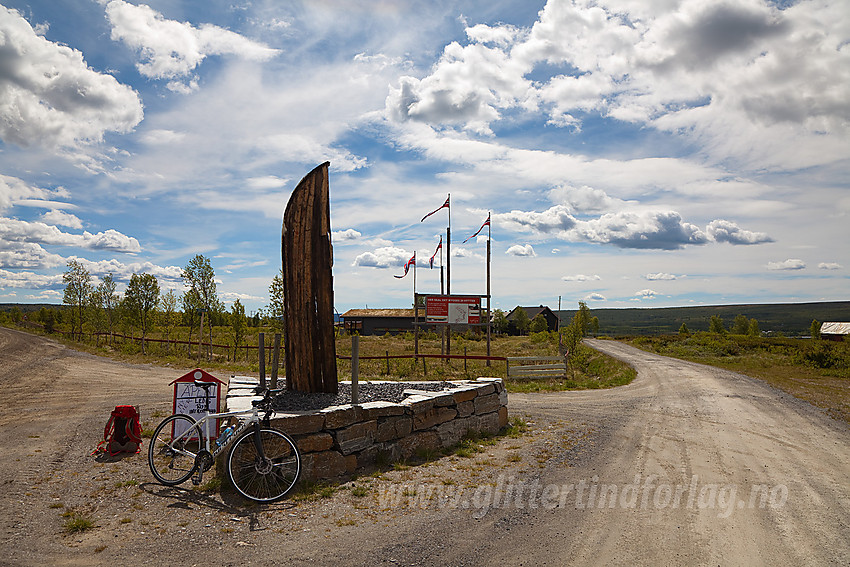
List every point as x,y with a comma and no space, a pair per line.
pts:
263,465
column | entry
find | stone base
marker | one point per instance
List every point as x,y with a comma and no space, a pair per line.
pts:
338,441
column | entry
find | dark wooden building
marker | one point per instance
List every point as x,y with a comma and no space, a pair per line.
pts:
379,321
834,331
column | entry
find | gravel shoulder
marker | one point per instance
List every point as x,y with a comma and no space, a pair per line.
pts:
675,423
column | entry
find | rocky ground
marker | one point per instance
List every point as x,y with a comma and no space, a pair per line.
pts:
681,449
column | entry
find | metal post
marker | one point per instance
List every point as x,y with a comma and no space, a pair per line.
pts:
355,369
201,336
488,294
448,330
262,352
275,360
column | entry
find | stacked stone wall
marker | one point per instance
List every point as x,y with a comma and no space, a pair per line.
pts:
339,441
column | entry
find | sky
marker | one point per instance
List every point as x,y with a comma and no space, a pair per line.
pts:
632,153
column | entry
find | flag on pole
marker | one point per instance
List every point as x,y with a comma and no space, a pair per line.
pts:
443,206
411,262
440,245
486,223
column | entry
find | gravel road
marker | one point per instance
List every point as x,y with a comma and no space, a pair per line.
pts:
688,465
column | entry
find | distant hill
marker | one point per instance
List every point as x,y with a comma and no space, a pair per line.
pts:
791,319
30,307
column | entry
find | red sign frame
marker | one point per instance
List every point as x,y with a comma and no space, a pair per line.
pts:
453,309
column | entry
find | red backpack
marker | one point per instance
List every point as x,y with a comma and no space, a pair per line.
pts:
123,432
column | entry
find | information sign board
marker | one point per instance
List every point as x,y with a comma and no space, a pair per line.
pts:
453,309
190,399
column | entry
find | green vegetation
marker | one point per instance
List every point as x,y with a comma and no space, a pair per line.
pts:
77,522
788,319
811,369
309,491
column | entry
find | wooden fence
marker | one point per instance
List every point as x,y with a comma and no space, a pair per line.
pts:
536,367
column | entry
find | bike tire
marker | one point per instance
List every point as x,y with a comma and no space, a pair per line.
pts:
172,459
264,480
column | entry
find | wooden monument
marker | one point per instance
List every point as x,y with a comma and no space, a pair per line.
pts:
308,323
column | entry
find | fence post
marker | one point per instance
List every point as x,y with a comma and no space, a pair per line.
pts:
262,348
275,359
464,360
388,363
355,369
424,367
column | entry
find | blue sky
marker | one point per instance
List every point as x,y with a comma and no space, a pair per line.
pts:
631,153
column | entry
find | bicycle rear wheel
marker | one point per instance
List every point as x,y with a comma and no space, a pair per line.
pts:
173,448
264,479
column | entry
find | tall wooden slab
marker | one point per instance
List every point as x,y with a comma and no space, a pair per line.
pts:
310,350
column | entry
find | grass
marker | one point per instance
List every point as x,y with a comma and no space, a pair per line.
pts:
588,370
310,491
211,485
77,522
813,370
594,375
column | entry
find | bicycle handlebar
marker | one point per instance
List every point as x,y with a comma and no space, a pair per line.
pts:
267,398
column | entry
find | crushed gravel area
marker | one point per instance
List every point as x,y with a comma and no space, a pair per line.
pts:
369,392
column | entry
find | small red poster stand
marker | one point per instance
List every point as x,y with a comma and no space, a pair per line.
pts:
189,399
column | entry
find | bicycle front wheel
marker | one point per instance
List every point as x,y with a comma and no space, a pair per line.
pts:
173,448
264,478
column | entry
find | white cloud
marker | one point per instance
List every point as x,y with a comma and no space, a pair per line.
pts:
28,255
461,252
581,278
346,235
14,230
61,218
594,297
789,264
660,276
122,272
557,218
49,96
727,231
48,295
29,280
692,68
15,191
641,229
664,230
232,296
173,50
829,266
526,251
267,182
646,294
385,257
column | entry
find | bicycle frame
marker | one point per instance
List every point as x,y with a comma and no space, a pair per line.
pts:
204,422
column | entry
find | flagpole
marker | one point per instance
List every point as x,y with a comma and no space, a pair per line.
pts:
442,282
489,236
449,275
415,317
449,250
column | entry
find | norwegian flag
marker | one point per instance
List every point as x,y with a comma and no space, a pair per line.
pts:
443,206
411,262
440,245
486,223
